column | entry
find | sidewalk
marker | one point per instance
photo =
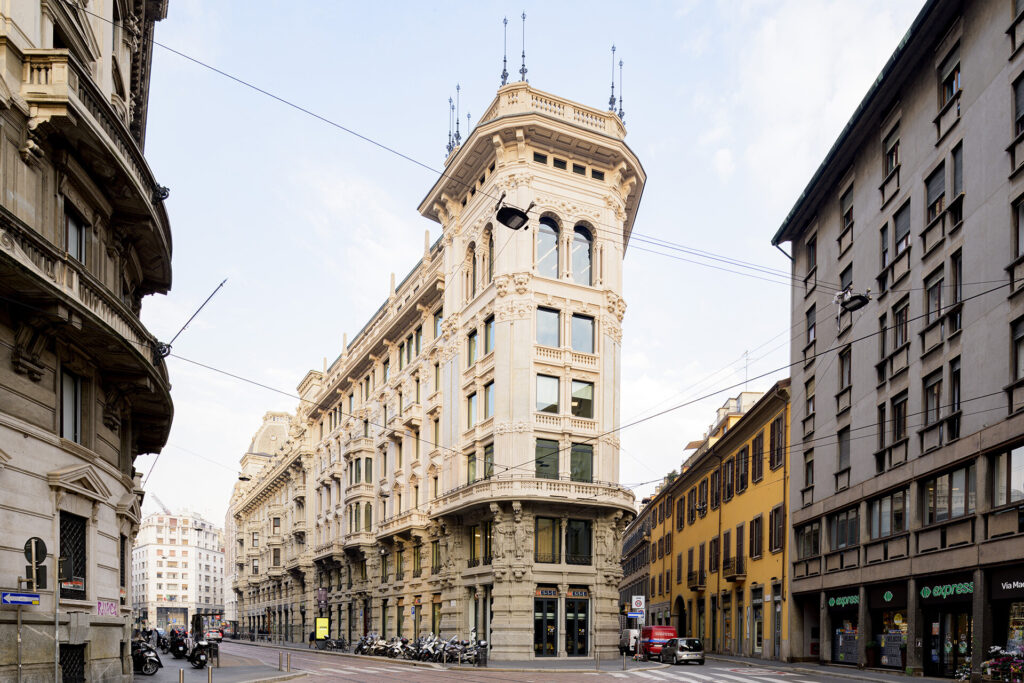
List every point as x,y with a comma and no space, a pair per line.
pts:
573,664
823,669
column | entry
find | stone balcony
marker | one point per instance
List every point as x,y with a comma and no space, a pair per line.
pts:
361,444
565,423
358,490
412,416
506,487
299,493
402,522
359,538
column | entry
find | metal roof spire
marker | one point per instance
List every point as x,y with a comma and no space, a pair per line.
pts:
622,114
458,136
611,100
504,59
451,111
522,69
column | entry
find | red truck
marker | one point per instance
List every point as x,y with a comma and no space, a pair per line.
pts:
653,637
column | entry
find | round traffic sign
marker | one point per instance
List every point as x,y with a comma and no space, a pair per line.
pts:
40,549
638,603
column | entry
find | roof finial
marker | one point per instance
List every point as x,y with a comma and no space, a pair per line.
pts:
458,136
622,114
469,128
451,113
504,59
611,100
522,69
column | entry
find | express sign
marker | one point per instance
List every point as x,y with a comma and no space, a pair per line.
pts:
943,591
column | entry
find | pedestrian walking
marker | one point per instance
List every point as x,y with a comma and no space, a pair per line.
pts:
312,637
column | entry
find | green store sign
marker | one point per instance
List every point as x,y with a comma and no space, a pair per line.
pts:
887,596
945,590
844,601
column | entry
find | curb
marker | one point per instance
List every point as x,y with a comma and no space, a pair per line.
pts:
433,665
823,669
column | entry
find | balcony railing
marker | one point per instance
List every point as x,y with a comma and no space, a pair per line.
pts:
399,576
576,558
417,573
696,580
734,568
473,562
435,569
547,558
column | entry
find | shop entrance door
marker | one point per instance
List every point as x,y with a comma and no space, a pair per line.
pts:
545,627
948,642
576,626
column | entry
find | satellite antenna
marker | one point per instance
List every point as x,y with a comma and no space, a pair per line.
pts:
504,59
611,100
622,114
522,69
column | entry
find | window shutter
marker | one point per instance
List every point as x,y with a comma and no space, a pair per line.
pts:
903,222
936,184
950,63
958,169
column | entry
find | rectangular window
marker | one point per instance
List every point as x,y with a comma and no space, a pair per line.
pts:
933,286
846,209
276,557
809,468
953,422
777,528
778,443
888,514
899,418
756,536
488,400
810,319
728,479
846,278
812,253
958,174
716,488
883,236
419,340
75,236
435,557
547,394
845,368
1008,477
932,397
1018,106
582,333
540,158
742,470
881,427
713,555
488,461
471,349
702,495
891,151
368,465
949,495
901,221
471,411
757,457
949,76
488,335
843,459
276,525
578,542
808,540
71,406
844,529
548,327
1018,350
809,394
579,169
547,540
582,399
438,319
73,547
680,512
935,188
255,539
900,325
581,466
471,468
546,459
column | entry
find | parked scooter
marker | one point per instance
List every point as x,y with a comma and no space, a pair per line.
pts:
200,654
144,658
178,645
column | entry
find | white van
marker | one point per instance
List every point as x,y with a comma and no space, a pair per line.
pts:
628,641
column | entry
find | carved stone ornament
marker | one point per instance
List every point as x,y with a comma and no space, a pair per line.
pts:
512,427
522,282
501,283
29,343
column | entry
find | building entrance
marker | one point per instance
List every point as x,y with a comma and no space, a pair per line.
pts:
947,641
576,626
545,627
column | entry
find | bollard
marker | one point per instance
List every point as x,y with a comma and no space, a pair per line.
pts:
209,675
623,660
289,661
181,676
280,659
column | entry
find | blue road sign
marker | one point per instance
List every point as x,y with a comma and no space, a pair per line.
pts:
19,598
635,615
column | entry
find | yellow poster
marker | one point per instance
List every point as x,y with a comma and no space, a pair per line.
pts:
322,627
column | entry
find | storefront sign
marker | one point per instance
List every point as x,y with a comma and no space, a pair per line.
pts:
323,628
578,593
1007,583
840,601
944,591
887,597
547,592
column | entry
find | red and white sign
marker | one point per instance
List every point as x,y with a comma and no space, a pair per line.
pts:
638,603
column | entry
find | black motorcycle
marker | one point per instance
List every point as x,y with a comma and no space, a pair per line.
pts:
200,654
178,647
144,658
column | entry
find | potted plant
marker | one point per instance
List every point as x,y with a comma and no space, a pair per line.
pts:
871,653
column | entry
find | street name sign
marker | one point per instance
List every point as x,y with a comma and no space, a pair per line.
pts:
19,598
635,615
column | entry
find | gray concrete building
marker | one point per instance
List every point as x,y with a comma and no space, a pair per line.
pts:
84,237
907,432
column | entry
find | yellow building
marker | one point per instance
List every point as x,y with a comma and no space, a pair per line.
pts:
728,513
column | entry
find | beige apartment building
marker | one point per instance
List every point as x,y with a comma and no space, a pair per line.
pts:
458,474
84,236
177,571
907,476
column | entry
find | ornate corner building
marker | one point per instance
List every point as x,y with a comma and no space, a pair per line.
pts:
455,459
84,236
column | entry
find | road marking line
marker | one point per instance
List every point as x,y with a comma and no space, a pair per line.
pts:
643,674
739,679
619,676
338,671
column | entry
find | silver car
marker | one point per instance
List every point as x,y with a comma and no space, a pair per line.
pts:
683,651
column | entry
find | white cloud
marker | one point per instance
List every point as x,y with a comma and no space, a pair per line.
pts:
724,164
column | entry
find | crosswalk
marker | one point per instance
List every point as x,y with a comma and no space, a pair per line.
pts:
686,675
328,671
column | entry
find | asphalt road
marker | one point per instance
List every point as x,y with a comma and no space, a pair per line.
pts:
316,667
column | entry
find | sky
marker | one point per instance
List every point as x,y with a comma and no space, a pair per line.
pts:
730,107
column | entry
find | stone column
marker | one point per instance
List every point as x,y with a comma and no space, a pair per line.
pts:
915,629
560,648
981,622
825,638
863,622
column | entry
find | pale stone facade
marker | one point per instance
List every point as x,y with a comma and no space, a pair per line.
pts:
459,472
84,236
177,571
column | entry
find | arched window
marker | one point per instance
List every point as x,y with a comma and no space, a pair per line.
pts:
547,248
471,257
582,246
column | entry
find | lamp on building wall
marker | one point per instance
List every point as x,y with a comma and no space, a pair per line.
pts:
510,216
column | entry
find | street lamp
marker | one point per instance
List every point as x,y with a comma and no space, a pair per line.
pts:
510,216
